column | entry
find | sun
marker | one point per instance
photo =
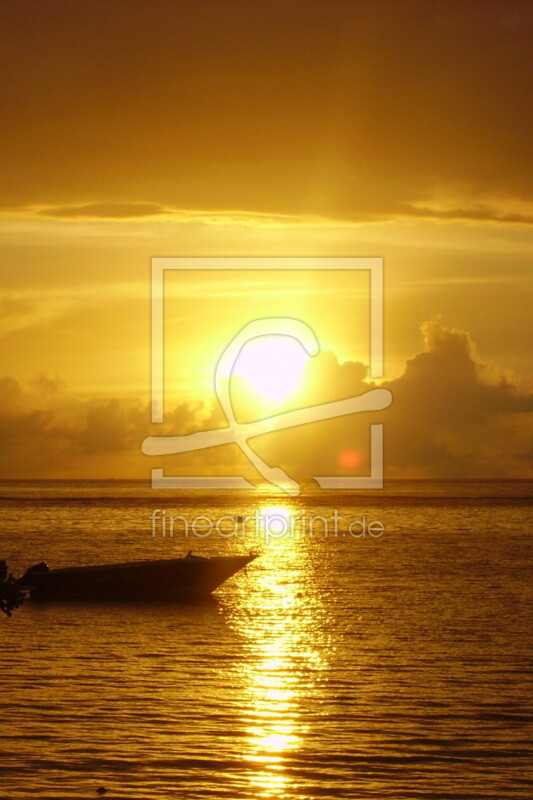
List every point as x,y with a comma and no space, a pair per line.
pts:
272,366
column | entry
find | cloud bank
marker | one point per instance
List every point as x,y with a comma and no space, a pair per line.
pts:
452,416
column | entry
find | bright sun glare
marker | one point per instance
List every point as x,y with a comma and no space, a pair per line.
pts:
272,365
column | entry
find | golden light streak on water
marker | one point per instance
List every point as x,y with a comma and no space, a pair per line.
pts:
276,620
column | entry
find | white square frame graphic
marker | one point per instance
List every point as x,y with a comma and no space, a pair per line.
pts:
231,264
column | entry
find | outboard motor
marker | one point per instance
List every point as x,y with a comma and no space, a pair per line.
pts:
11,594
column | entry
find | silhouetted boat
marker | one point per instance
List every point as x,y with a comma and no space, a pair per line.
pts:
188,578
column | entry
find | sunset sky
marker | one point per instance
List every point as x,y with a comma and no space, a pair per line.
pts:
334,128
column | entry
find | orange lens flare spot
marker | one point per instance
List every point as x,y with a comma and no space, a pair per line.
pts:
349,459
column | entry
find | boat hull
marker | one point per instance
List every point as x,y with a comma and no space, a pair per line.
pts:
170,579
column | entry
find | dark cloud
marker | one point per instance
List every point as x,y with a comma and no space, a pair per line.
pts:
483,214
454,415
104,211
10,396
45,431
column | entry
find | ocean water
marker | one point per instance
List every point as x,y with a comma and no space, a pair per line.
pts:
392,663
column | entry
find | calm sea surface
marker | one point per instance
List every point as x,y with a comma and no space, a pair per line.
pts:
342,665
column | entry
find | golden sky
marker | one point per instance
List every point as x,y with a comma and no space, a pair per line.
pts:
138,129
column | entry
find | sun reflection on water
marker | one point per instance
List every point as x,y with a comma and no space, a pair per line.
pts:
280,618
276,521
